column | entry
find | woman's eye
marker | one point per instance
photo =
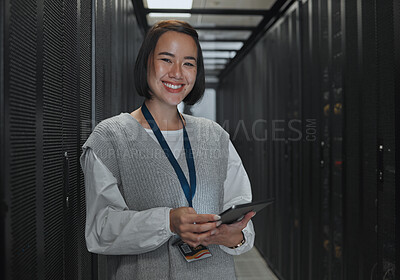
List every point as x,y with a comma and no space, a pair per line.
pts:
189,64
166,59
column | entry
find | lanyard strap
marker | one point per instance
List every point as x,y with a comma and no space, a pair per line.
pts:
189,190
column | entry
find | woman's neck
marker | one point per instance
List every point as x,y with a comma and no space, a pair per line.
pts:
166,116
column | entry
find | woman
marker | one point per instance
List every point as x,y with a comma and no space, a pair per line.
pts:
156,180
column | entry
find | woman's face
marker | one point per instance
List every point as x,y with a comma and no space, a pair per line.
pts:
172,68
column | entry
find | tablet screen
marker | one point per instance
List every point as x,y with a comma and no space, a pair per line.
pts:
237,212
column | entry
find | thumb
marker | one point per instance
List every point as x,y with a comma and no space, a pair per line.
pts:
246,219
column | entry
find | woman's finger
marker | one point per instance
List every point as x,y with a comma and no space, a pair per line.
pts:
200,228
194,238
202,218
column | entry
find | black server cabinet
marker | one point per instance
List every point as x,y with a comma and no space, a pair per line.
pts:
118,39
20,174
65,66
45,103
330,68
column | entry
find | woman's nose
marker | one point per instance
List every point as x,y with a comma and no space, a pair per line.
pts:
176,71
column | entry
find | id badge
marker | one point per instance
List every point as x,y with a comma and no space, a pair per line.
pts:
193,254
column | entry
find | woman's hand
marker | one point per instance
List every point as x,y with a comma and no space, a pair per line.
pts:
228,235
193,228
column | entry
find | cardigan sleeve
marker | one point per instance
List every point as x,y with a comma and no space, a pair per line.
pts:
111,228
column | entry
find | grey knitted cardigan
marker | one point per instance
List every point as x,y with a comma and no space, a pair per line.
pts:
146,180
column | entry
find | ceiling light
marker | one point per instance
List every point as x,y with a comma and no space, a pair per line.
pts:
215,61
170,15
221,45
211,54
212,79
214,67
170,4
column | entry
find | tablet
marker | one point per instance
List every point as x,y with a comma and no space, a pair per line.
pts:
237,212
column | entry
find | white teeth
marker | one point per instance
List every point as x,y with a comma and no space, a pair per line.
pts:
172,86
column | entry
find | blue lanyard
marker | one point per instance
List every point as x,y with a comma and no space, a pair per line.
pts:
189,190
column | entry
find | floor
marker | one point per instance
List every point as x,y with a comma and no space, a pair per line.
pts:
251,266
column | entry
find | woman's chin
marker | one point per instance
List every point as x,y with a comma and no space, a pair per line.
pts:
174,101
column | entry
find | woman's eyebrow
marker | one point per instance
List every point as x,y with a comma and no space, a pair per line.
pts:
190,57
166,53
172,55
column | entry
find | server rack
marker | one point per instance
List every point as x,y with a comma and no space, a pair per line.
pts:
47,108
330,65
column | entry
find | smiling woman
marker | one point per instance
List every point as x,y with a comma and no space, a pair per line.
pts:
157,179
176,41
172,69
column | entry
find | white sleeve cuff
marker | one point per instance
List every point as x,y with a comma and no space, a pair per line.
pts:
168,223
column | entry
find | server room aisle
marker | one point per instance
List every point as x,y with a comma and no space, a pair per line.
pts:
251,266
308,91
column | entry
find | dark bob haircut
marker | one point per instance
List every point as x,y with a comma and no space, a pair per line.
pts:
147,49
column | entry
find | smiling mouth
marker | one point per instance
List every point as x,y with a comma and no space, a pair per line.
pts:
171,86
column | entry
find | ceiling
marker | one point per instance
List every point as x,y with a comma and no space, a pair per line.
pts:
227,29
